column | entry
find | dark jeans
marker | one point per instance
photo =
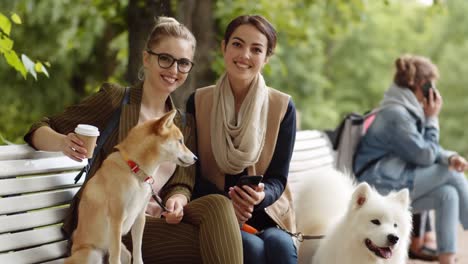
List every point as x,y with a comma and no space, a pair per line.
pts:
272,246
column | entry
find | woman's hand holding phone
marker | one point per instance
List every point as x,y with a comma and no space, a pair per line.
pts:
245,198
433,103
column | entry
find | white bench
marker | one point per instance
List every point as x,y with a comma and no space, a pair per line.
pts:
35,189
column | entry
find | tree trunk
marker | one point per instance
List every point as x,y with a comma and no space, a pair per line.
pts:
197,15
140,19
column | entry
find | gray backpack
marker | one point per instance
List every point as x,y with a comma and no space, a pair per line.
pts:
347,137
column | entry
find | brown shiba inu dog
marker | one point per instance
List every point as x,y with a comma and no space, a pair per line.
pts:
114,200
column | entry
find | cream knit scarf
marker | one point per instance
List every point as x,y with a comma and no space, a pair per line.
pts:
237,143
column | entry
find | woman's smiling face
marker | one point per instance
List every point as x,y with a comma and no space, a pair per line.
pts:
167,80
245,54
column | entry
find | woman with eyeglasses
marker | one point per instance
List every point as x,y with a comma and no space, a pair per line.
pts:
189,231
245,127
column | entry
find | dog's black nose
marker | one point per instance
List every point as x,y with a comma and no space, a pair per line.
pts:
195,158
392,239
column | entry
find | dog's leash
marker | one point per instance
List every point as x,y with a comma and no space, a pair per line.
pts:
301,237
137,171
149,180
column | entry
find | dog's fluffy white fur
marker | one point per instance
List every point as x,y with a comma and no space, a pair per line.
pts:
360,225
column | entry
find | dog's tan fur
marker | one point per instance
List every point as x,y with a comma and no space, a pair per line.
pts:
113,201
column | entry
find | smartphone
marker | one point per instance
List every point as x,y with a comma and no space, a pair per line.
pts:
426,88
249,180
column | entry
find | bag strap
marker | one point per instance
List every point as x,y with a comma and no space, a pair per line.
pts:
105,134
374,161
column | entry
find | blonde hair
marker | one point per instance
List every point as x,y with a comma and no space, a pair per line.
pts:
412,69
169,27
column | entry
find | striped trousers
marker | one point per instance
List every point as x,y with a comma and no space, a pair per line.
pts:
209,233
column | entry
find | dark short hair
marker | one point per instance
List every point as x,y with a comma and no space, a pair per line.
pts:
260,23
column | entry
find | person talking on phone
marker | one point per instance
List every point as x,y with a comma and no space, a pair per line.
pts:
404,140
245,127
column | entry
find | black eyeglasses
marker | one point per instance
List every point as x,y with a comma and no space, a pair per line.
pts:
166,61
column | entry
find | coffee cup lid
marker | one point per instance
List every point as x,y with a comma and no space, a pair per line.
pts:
87,130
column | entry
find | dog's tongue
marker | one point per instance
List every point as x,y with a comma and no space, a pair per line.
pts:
386,253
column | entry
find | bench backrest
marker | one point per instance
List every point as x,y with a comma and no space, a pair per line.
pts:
35,190
312,153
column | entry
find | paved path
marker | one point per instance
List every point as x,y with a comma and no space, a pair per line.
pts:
462,249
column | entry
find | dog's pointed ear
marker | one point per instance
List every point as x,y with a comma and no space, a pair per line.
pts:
402,197
361,195
166,121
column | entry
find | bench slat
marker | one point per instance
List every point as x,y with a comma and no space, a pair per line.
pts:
298,175
35,255
309,134
311,144
31,238
50,216
35,184
306,155
297,166
10,168
23,151
35,201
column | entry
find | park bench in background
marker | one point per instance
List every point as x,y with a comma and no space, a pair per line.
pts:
313,154
36,187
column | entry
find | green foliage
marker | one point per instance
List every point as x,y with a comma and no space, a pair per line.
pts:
82,41
25,65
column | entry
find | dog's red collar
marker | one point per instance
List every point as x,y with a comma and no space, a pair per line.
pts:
135,168
147,178
133,165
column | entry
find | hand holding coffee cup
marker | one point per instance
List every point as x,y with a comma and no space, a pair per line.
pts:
80,144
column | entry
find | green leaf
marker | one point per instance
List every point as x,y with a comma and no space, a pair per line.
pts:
12,59
5,24
40,68
29,65
6,44
16,19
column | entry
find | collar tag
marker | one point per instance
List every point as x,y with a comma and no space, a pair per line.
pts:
149,180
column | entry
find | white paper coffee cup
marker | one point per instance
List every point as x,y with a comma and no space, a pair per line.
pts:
88,134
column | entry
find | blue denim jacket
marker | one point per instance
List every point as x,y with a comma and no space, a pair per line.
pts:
401,138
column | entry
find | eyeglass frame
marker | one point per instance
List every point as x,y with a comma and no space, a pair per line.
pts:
173,60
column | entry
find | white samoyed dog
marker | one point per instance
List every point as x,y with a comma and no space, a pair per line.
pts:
360,225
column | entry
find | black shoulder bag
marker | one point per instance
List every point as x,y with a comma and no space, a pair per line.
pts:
105,134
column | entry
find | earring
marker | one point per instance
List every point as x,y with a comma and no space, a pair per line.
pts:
141,73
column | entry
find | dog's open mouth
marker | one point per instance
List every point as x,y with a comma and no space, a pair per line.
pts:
383,252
